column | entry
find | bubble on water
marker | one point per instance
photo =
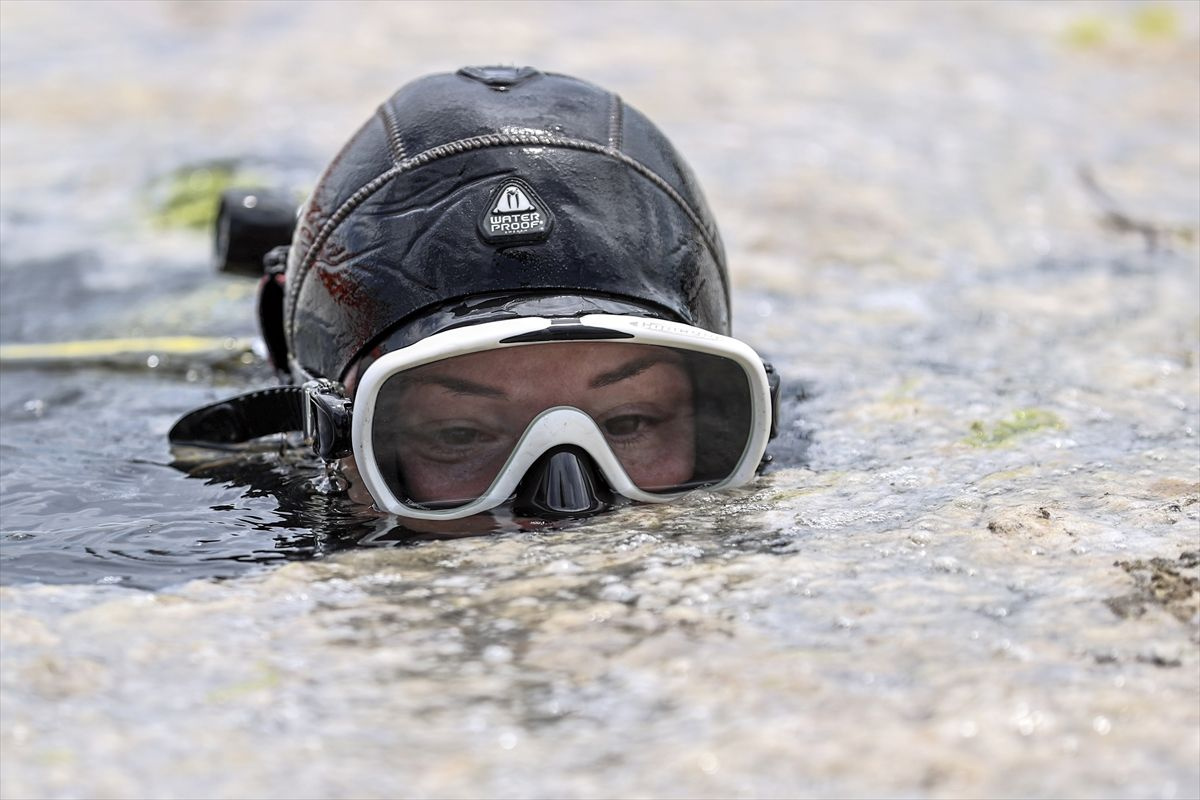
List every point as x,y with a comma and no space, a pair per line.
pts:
35,407
496,654
1162,654
618,593
708,763
507,740
1101,725
1007,649
600,615
1027,719
448,649
946,564
152,361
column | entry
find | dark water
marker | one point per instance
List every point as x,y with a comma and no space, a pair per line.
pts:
90,494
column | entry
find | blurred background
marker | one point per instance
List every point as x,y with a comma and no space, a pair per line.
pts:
965,232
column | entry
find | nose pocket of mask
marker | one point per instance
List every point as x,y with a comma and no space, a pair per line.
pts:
564,482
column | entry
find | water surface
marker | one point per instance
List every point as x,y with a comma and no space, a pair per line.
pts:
967,236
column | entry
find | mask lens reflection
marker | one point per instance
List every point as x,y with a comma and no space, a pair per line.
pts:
673,418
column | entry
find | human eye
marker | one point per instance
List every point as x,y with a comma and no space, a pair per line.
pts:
455,441
629,426
461,436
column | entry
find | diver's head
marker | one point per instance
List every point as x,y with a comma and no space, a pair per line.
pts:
517,279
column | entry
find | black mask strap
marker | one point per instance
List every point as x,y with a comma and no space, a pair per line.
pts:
317,409
242,418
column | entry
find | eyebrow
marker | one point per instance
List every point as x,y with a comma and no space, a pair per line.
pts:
459,385
626,370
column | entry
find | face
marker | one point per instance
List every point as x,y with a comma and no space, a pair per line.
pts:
451,425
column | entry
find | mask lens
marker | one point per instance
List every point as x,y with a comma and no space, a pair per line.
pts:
673,418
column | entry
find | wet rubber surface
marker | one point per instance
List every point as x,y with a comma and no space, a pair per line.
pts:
967,236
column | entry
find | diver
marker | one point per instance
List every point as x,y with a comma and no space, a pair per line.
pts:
506,290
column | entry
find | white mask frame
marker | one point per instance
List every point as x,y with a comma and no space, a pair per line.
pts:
558,425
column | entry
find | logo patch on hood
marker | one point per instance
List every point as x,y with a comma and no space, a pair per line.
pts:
515,214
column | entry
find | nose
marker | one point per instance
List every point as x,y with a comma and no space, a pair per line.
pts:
563,483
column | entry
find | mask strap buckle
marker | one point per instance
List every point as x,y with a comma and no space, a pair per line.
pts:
327,419
773,386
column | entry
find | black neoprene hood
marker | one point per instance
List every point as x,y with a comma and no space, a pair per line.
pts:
497,180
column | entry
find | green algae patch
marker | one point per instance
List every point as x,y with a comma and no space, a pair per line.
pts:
188,197
1088,32
1146,24
1156,22
1025,420
266,679
57,757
